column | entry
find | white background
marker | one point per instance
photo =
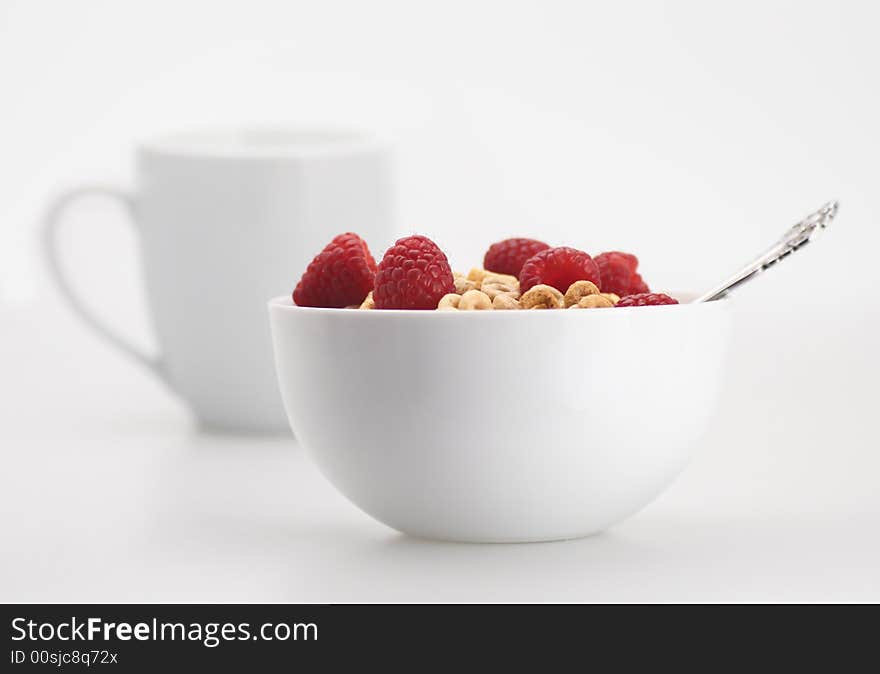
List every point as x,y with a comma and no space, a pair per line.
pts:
689,133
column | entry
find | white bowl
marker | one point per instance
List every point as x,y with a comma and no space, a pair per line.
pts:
500,426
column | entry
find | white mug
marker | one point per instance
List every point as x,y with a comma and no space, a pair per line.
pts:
226,220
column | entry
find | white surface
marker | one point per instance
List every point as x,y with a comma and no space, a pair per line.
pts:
686,132
500,427
108,495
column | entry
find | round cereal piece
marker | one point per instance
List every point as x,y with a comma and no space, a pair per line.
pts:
474,300
614,299
503,301
449,302
497,284
463,284
541,297
594,302
493,289
368,302
476,275
504,279
579,289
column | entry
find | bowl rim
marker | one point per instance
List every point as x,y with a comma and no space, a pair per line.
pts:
284,303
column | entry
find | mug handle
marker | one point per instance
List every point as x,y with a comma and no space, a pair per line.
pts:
51,227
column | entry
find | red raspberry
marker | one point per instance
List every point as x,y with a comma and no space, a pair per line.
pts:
619,274
558,267
645,300
340,275
508,256
414,274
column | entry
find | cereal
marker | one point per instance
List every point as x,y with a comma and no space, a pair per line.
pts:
504,279
579,289
503,301
500,284
476,275
449,302
463,284
542,297
474,300
415,274
592,302
493,289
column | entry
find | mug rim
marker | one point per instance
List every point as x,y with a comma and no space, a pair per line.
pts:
260,142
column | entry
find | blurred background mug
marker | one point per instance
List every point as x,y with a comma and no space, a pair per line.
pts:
226,221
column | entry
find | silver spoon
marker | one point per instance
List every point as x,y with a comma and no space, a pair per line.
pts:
797,236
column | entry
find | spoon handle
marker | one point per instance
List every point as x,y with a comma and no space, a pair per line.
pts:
796,236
